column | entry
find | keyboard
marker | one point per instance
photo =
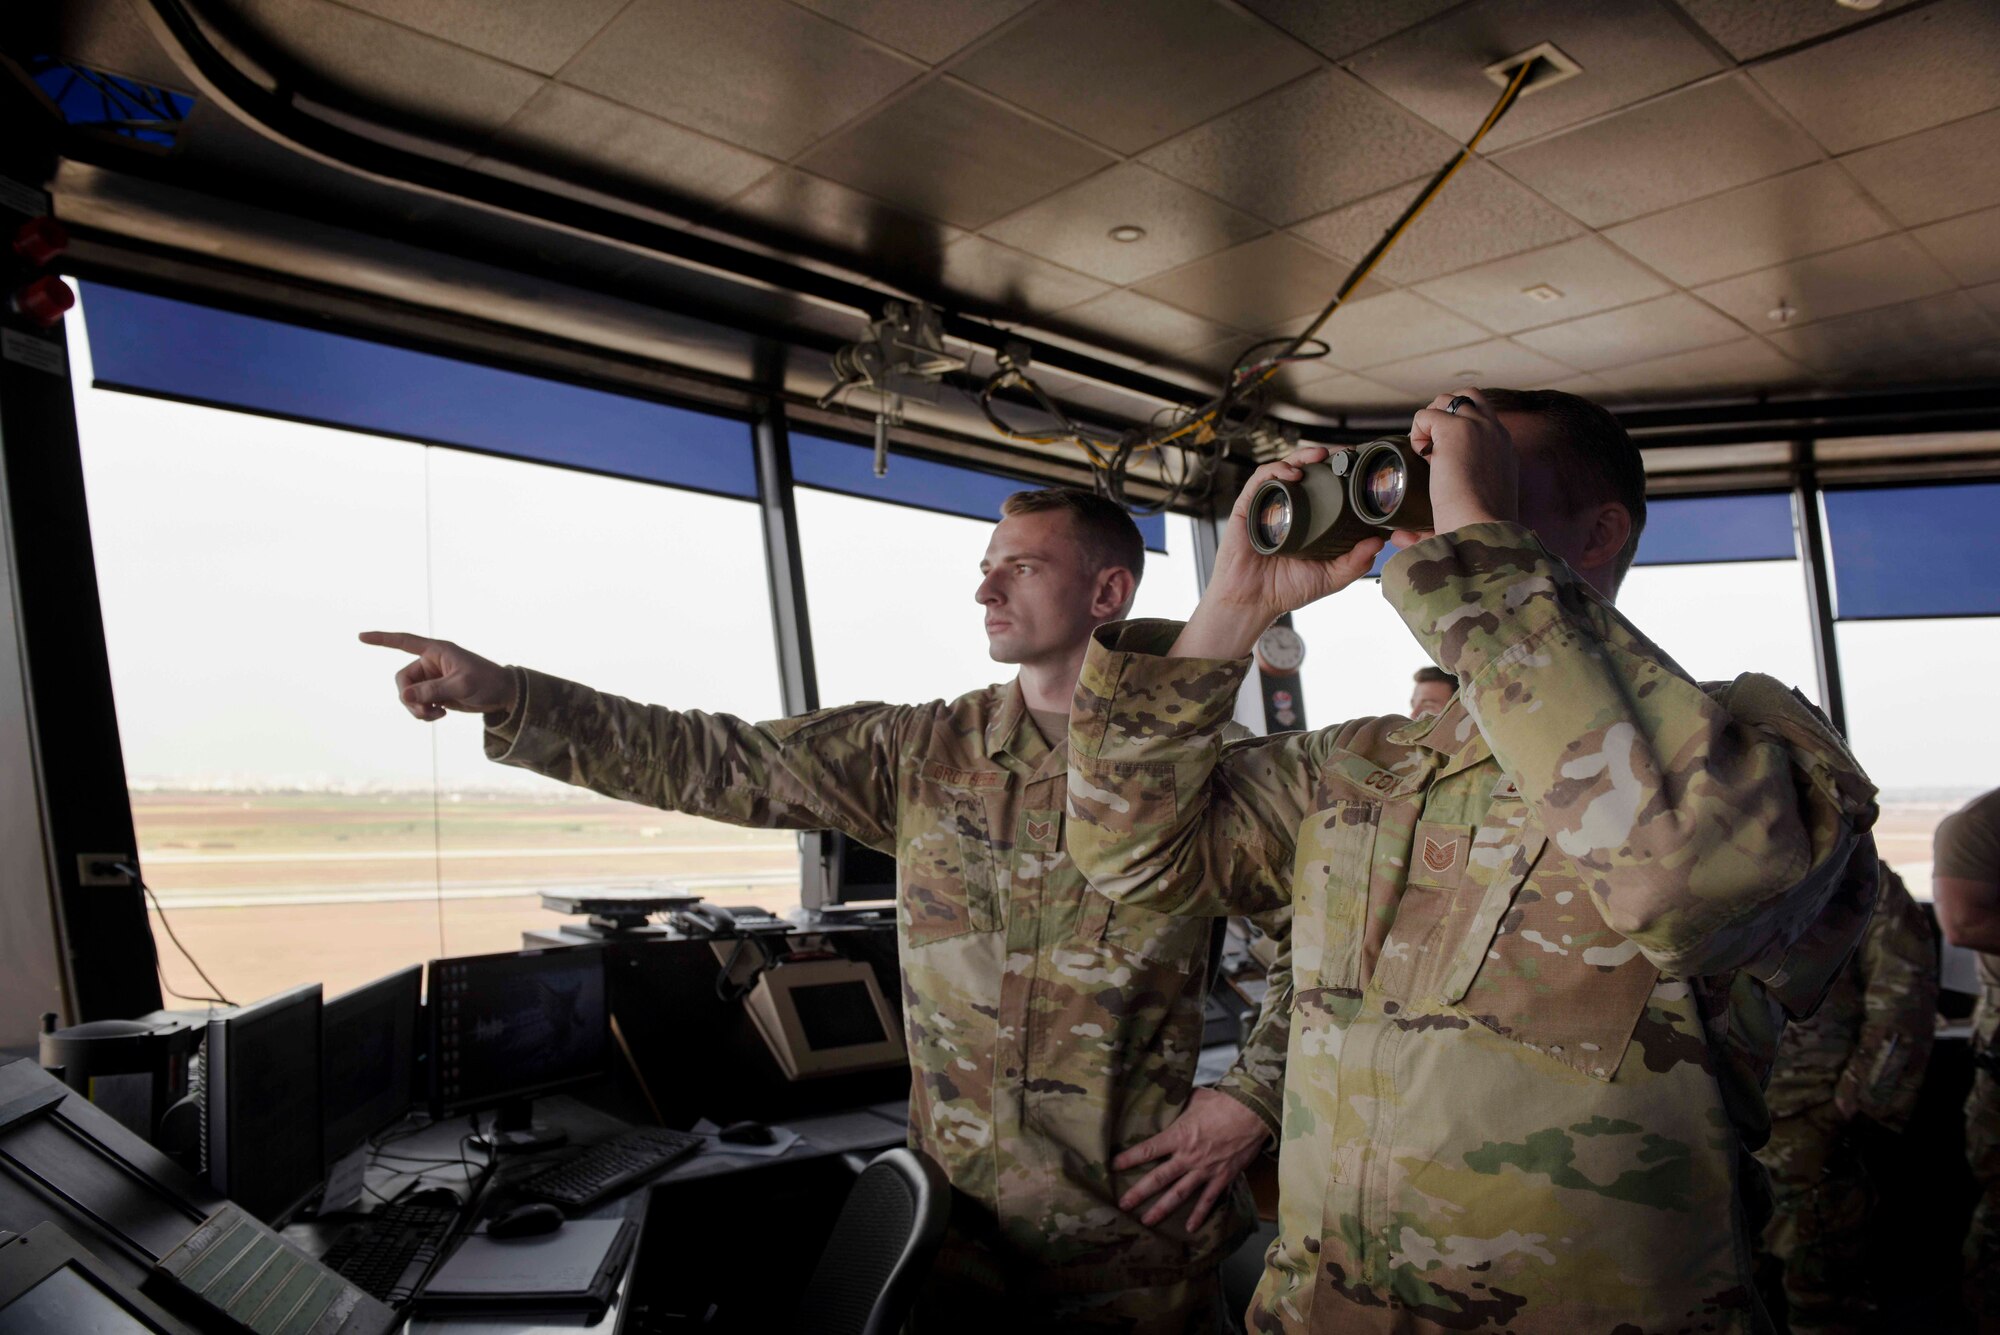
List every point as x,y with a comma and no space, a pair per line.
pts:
606,1169
386,1254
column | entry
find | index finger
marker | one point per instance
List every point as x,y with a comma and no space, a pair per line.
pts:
396,639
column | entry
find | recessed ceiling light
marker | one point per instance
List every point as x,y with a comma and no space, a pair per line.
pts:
1782,313
1543,292
1127,232
1858,4
1467,377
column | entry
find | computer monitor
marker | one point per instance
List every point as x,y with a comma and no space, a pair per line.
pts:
860,874
262,1145
825,1017
506,1029
370,1059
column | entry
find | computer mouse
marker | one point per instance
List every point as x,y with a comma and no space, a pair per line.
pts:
525,1221
746,1133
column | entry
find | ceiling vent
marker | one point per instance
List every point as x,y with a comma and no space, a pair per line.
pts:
1554,67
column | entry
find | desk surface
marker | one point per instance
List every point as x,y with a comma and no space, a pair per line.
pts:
860,1130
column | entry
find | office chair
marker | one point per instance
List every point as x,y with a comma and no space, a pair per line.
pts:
881,1250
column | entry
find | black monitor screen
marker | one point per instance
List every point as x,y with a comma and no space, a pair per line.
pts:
837,1015
371,1057
509,1027
865,875
68,1301
265,1149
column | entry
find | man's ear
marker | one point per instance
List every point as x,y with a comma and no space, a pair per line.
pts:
1115,589
1610,530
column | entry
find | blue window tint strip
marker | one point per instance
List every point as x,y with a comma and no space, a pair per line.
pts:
107,102
194,352
836,465
1915,551
1705,529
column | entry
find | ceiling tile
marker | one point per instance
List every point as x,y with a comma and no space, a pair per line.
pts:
1754,30
1138,324
1481,215
1988,297
536,34
790,208
1938,368
1391,327
928,29
1128,73
1628,51
1787,217
1908,73
1657,328
1073,227
1949,322
110,36
951,152
1257,285
391,68
1496,362
1746,366
1682,147
761,73
574,135
1881,272
1324,141
1342,29
1585,276
1969,247
1950,170
1343,392
1012,283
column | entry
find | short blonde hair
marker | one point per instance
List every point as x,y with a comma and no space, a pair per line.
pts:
1106,533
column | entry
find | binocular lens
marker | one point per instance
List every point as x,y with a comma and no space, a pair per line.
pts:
1383,488
1360,492
1272,520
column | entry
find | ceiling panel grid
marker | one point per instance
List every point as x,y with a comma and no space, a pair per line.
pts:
1729,200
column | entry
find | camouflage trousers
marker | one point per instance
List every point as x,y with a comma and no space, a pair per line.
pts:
1819,1226
1982,1155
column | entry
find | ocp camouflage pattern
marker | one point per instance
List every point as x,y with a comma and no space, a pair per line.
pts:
1859,1060
1048,1030
1543,946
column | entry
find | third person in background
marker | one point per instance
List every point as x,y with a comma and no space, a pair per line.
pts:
1853,1069
1965,875
1432,692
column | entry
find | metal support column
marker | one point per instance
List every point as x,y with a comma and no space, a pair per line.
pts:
790,623
1809,532
64,808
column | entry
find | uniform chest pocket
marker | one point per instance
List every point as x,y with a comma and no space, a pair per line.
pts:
1539,966
1330,894
948,881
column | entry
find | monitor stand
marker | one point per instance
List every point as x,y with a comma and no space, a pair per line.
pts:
515,1131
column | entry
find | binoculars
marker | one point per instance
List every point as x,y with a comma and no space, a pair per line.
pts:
1359,491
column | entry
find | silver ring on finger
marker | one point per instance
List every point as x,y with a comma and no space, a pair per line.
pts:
1456,400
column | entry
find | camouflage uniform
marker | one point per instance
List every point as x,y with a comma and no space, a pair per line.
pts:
1966,847
1541,946
1862,1054
1048,1030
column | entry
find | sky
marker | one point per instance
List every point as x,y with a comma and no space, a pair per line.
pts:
238,556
